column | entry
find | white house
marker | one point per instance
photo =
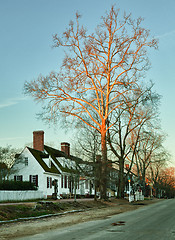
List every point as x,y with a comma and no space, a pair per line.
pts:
44,165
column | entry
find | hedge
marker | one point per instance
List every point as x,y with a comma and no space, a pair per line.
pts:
17,185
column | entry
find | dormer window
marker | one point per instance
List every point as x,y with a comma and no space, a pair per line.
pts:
47,161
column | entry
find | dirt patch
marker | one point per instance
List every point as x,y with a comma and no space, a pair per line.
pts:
90,210
24,210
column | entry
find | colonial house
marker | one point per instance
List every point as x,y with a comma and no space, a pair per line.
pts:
53,171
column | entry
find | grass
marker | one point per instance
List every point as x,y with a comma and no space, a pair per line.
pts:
40,208
11,212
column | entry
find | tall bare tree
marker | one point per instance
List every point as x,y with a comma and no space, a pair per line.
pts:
98,68
124,135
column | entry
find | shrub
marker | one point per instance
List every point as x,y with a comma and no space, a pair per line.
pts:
17,185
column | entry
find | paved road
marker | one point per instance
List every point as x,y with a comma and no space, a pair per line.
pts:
156,221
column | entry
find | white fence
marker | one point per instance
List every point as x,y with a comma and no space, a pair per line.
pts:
139,196
20,195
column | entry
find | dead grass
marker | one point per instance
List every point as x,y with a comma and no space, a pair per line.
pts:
91,210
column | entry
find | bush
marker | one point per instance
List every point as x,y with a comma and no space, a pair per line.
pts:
17,185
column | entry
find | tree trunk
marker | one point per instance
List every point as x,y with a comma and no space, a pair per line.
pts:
121,184
75,188
143,180
103,182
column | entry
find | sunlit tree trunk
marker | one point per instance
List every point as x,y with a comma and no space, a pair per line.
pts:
103,187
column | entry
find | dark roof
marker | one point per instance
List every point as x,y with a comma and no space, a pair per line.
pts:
54,153
56,165
38,155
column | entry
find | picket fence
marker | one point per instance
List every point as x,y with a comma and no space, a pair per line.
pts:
20,195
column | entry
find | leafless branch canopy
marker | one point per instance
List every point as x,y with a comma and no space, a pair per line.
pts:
98,69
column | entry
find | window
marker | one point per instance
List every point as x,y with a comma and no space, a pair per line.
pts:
18,178
64,182
26,161
49,182
34,179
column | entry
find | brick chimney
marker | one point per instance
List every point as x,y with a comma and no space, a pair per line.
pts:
38,140
65,147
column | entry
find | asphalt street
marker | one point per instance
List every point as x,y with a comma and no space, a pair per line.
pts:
152,222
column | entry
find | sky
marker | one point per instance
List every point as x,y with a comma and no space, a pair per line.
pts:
26,30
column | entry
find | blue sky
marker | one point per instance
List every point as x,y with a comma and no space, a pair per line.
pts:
26,28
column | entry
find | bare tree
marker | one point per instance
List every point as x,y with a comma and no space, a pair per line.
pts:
86,145
7,155
158,164
3,171
98,68
124,136
7,160
148,152
167,182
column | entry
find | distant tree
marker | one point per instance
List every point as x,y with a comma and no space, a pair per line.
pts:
167,181
86,145
7,155
7,159
98,68
148,152
3,171
157,165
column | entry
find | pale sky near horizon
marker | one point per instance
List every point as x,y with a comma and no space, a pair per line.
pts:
26,51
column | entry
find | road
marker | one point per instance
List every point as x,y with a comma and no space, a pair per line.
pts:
156,221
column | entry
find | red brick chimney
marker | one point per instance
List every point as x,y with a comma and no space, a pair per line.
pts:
65,147
38,140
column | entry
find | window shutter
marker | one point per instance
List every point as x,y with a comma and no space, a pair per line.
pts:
30,178
69,182
21,178
36,180
50,182
62,181
65,181
15,178
72,184
47,182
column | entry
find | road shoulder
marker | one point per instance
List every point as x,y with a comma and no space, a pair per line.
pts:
20,229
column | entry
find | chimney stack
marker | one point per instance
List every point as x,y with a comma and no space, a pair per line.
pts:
65,147
38,140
